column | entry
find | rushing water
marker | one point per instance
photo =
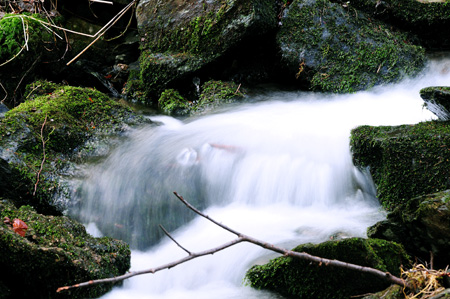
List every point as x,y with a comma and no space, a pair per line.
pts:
278,169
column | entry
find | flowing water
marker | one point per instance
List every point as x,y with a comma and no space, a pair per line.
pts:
278,169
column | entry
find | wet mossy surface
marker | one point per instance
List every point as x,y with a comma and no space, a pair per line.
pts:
55,252
213,94
405,161
56,119
422,224
338,49
295,278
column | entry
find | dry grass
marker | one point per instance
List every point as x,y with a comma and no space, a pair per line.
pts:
424,282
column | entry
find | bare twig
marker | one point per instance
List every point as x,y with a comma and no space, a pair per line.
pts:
43,153
242,238
104,29
175,241
6,93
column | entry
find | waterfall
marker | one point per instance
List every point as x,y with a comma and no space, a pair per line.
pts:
278,169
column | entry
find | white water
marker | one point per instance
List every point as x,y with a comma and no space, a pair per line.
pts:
289,180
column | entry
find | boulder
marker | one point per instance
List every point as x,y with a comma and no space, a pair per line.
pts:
405,161
422,225
437,100
54,251
295,278
181,38
422,18
334,48
42,137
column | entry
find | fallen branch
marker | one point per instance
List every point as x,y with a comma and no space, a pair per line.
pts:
240,238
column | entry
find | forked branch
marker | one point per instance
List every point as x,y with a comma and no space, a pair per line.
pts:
241,238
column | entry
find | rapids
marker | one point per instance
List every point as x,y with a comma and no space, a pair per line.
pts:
278,169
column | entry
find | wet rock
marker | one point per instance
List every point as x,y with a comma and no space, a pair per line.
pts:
295,278
424,18
60,120
334,48
55,252
181,38
405,161
422,225
437,100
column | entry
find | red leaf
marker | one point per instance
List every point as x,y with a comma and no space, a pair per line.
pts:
20,227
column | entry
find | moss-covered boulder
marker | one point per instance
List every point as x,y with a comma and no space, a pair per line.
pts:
424,18
422,225
180,38
392,292
405,161
437,100
295,278
55,251
42,136
335,48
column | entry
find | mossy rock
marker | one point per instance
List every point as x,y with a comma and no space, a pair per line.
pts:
179,39
55,252
60,120
22,60
392,292
437,100
405,161
336,49
214,94
423,18
295,278
422,225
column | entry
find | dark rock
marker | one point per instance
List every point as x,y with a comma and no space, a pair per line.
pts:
337,49
181,38
437,100
295,278
422,225
55,252
424,18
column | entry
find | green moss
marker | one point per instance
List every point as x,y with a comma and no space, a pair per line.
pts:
405,161
296,278
58,251
12,38
59,119
171,102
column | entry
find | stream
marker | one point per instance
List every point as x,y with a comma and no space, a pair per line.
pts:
278,169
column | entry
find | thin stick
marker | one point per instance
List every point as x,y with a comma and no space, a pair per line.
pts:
241,238
43,153
301,255
118,16
6,93
175,241
102,1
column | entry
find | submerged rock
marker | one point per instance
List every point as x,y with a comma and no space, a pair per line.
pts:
335,48
422,225
295,278
54,252
437,100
